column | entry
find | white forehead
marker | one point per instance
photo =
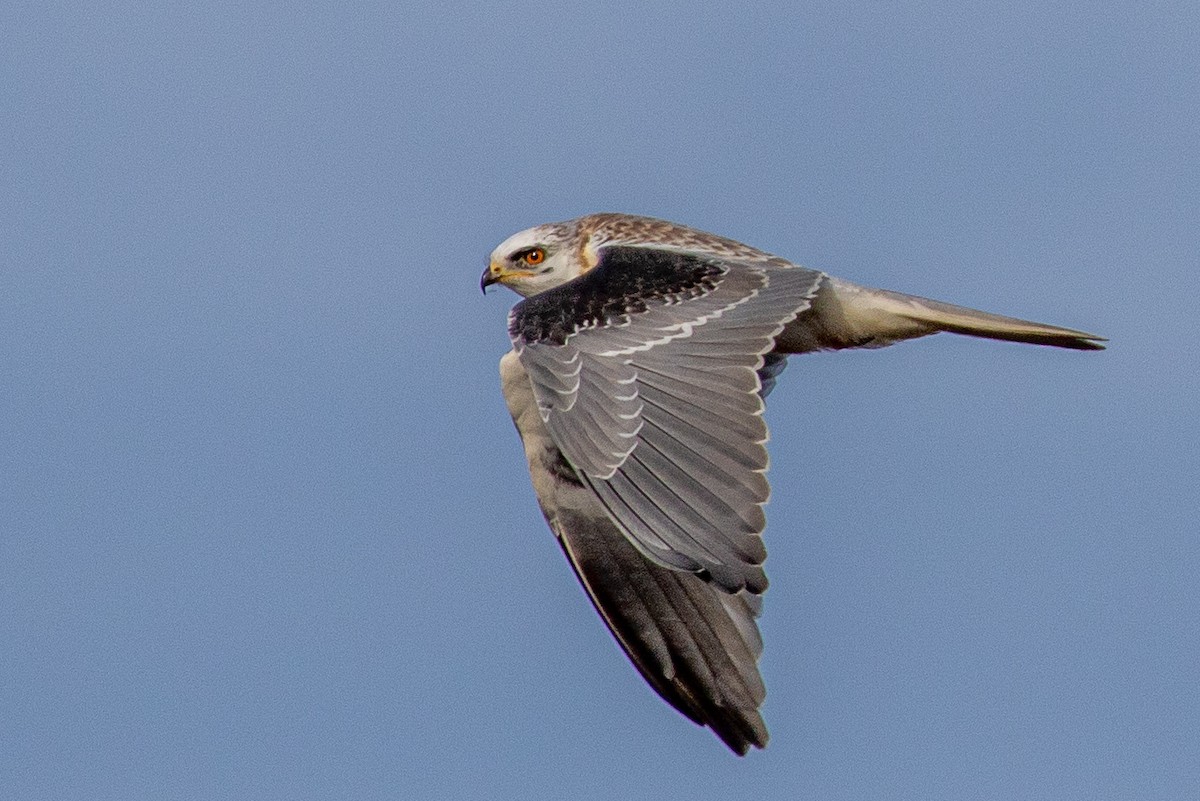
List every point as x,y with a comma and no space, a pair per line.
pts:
530,237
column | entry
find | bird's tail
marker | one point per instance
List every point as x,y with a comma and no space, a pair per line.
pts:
846,315
972,322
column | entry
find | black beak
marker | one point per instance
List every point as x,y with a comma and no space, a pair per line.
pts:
487,280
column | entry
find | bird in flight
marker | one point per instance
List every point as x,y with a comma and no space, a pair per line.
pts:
642,354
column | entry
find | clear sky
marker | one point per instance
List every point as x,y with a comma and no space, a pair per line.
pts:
266,530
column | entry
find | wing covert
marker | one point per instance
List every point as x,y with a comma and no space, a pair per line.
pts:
649,372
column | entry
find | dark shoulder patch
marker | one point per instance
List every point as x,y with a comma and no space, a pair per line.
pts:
626,281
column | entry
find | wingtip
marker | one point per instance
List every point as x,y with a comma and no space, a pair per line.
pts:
740,741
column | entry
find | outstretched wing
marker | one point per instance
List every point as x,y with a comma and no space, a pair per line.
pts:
649,372
695,644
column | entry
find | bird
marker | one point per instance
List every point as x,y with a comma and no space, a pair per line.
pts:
642,354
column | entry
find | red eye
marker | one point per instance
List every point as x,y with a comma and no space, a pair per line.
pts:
535,257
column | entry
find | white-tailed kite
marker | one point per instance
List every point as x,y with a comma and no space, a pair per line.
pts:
642,355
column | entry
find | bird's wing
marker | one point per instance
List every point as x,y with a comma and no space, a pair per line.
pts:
648,373
695,644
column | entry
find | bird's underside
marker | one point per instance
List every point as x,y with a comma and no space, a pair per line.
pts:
637,385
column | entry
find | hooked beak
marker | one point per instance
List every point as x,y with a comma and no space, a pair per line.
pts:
491,275
497,273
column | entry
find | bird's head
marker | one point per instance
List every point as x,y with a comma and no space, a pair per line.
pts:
539,258
546,256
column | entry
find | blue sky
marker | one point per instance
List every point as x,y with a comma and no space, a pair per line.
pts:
265,527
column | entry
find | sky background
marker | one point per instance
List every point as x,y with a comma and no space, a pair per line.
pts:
266,531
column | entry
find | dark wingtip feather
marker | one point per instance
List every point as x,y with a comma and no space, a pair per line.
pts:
685,636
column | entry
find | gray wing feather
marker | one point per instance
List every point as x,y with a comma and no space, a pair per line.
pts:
659,410
697,646
698,450
590,406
